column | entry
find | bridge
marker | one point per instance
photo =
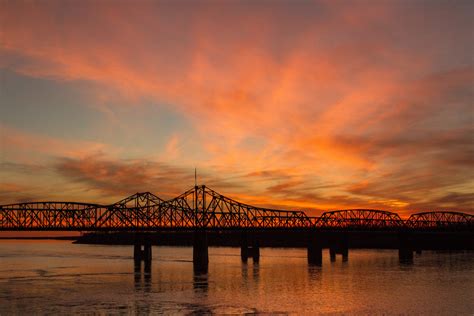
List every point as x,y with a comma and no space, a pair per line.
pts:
202,210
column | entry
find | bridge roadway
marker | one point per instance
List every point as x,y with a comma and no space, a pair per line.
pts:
202,210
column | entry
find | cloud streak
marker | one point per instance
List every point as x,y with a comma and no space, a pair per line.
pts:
317,105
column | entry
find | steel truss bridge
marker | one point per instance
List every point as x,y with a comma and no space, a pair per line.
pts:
203,208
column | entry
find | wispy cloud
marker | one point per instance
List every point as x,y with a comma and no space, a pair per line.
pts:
316,104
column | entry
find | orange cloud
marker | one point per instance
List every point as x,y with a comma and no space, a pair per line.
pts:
18,146
322,90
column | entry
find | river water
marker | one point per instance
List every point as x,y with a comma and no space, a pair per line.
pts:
39,277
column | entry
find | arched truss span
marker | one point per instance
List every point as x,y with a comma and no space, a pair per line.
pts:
440,219
360,219
202,207
50,215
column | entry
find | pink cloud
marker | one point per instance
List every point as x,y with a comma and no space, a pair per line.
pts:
327,91
18,145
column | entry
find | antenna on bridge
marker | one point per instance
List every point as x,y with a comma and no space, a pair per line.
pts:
195,177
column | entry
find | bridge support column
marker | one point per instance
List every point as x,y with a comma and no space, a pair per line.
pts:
200,252
345,247
142,252
244,254
339,244
405,248
332,254
247,251
315,248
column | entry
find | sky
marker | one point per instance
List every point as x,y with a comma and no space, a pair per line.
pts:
301,105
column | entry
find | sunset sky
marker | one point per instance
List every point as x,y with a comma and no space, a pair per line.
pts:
312,105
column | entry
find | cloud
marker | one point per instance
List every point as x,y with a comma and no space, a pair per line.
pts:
321,104
453,200
11,192
20,167
121,177
18,145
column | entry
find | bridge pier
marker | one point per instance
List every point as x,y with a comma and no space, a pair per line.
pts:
250,252
315,249
200,252
247,251
138,274
332,254
142,252
339,244
405,248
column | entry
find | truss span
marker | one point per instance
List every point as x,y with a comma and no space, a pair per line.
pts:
359,219
202,207
199,207
440,220
51,216
207,208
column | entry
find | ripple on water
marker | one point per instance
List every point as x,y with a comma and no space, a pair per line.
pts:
103,280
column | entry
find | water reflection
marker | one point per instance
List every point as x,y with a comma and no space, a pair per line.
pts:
142,307
244,272
314,274
255,271
344,253
142,279
201,288
137,274
200,283
406,261
60,279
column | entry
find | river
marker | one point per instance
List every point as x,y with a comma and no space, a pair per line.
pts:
48,276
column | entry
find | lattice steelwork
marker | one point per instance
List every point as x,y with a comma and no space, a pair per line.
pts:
142,210
440,220
359,219
202,207
51,216
213,210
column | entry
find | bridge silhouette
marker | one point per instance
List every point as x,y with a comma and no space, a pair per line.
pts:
202,209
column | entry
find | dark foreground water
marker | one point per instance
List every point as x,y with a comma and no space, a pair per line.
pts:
38,277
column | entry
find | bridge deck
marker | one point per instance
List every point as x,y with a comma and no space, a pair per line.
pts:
203,208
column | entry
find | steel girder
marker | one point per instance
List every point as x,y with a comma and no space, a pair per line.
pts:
202,207
440,220
359,219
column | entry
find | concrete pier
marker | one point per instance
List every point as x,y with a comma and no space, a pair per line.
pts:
339,244
315,249
405,248
200,252
250,252
249,247
332,254
142,252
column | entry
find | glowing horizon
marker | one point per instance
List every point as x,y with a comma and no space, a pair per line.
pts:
314,106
